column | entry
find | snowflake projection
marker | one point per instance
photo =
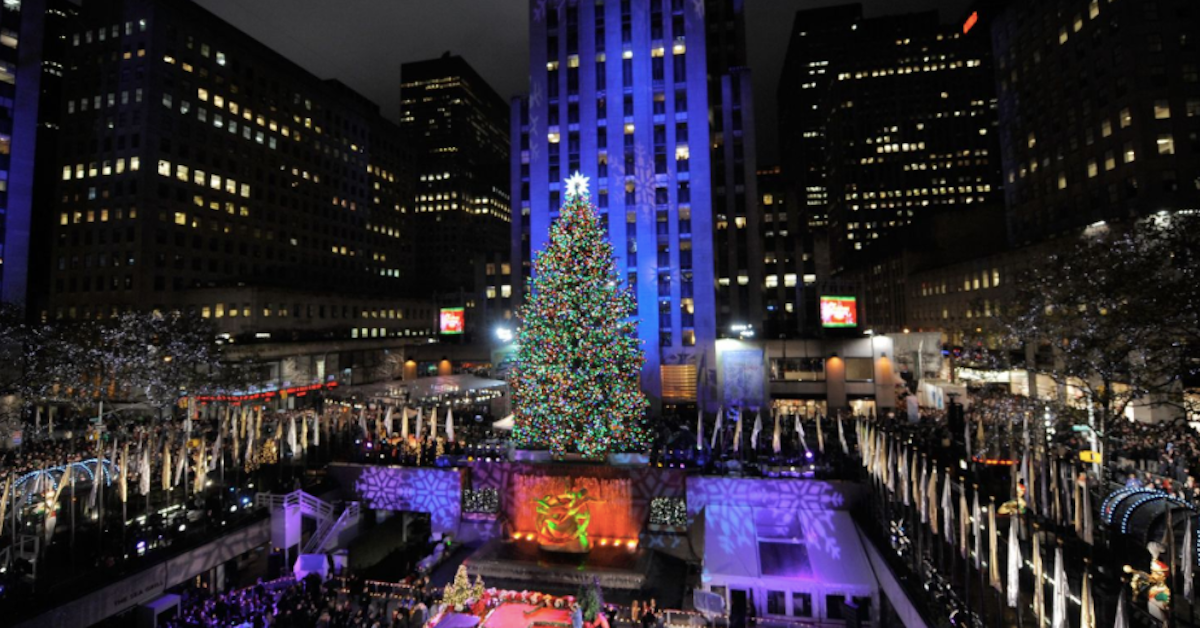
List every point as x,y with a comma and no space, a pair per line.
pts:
698,8
435,491
814,503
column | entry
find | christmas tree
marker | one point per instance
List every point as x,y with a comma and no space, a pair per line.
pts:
457,594
575,383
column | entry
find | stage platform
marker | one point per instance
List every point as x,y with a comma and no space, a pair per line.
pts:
512,615
619,568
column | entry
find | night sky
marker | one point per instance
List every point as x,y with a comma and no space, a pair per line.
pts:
363,42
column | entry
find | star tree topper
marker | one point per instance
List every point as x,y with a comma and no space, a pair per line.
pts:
577,184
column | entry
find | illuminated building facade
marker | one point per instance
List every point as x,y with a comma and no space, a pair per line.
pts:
31,75
900,118
195,158
650,99
461,212
1099,110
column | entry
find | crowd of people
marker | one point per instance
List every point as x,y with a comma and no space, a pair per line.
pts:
306,603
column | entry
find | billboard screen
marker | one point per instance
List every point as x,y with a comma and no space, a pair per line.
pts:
452,320
839,312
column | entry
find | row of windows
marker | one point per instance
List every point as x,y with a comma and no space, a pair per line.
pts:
105,168
980,280
198,177
298,310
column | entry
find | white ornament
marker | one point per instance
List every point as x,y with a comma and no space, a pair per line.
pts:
577,184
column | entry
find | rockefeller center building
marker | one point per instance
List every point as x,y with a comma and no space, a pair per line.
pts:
651,100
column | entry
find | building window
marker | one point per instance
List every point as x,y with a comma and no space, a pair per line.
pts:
801,604
1166,144
776,603
860,369
1162,110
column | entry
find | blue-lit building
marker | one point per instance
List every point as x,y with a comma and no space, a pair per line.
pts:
651,100
31,72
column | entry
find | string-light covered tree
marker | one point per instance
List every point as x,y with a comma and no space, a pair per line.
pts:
575,383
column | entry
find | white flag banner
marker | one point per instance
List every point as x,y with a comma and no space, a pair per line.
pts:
699,430
1059,618
948,510
776,443
1122,620
293,444
450,424
362,421
820,434
756,431
977,529
1039,585
932,496
387,422
420,421
800,431
1014,564
737,434
922,489
1087,604
144,473
993,550
1187,560
964,520
717,427
404,424
182,460
842,435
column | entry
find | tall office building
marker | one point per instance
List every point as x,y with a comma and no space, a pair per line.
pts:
461,212
649,99
788,267
199,170
896,117
1099,110
31,74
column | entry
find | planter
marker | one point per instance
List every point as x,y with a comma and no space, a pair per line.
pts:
629,460
530,455
480,516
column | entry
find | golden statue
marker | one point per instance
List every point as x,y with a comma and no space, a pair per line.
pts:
563,521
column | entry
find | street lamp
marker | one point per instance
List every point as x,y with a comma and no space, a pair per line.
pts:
504,334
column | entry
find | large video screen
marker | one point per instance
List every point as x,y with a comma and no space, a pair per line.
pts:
452,320
839,312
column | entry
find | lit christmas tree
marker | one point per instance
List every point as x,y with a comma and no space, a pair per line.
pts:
575,383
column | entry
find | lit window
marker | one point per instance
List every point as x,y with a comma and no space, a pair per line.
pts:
202,94
164,168
180,218
1126,118
1162,110
1129,155
1166,144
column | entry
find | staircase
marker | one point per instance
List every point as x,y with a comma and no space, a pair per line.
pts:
329,521
328,530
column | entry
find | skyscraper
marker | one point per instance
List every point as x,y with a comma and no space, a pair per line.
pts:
894,124
461,212
200,171
32,47
1099,110
649,99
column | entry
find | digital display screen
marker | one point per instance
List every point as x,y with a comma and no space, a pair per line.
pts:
452,320
839,312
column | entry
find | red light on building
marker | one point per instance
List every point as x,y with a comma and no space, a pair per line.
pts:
972,20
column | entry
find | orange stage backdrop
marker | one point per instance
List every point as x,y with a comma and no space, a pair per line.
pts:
612,513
